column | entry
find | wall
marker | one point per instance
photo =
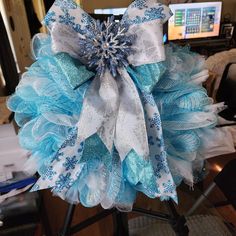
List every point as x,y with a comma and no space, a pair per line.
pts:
19,36
90,5
229,6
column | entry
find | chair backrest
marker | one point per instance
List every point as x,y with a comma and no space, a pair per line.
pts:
226,181
227,92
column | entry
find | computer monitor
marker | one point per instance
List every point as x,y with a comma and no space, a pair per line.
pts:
194,20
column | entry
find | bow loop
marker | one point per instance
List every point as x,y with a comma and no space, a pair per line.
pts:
141,11
75,72
68,12
145,18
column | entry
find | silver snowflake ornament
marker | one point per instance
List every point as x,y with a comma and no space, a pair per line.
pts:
106,45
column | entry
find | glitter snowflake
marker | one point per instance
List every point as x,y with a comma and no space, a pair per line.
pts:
81,147
88,21
50,17
67,19
169,187
155,13
70,163
149,15
70,141
47,173
58,156
64,181
106,46
161,164
140,4
150,140
66,4
78,28
155,121
161,142
148,99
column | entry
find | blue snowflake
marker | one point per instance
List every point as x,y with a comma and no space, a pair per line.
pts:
140,4
49,18
78,29
149,15
88,21
58,156
67,19
161,165
80,149
150,140
148,99
169,187
70,163
155,121
155,13
71,139
64,181
47,173
107,46
160,142
66,4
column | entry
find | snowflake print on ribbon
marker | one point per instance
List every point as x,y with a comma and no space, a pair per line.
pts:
49,18
47,173
160,142
161,165
169,187
150,140
70,163
78,29
58,155
148,99
70,141
149,15
66,4
140,4
155,121
88,21
67,19
81,147
155,13
64,181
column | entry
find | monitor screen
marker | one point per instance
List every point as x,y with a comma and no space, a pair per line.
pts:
194,20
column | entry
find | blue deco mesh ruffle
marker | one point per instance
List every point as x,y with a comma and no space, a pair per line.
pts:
47,108
45,105
182,108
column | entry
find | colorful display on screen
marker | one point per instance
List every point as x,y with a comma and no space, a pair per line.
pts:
194,20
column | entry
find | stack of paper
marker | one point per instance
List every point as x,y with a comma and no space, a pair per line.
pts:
12,156
12,160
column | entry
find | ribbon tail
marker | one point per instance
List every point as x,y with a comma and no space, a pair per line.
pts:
158,154
131,131
100,110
